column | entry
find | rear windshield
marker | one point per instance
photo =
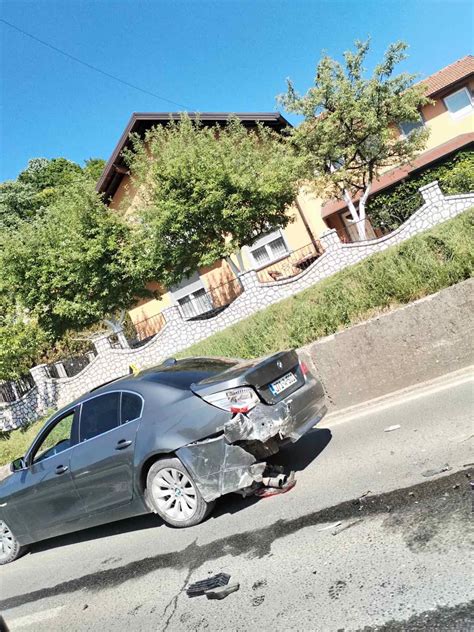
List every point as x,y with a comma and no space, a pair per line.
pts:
186,372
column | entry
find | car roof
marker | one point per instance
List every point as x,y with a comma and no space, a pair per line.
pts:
177,374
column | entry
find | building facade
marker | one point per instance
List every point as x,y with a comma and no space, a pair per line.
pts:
285,253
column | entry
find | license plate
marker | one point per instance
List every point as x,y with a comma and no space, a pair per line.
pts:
283,383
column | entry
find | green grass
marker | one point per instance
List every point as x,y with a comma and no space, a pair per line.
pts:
418,267
15,443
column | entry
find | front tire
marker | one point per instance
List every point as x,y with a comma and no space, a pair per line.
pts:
10,548
173,494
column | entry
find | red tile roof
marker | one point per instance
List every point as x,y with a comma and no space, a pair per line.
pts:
460,69
399,173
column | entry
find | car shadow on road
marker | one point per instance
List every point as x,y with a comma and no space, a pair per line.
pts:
293,456
119,527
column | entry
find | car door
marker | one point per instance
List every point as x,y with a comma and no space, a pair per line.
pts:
102,461
47,499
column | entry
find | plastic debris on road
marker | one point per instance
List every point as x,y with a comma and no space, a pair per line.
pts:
199,588
222,591
392,428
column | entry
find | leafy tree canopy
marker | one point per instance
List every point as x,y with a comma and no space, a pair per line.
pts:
20,344
39,185
350,130
206,191
74,264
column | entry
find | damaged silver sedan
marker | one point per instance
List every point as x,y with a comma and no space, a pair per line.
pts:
169,440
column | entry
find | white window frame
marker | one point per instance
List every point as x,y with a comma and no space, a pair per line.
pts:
186,288
463,111
263,242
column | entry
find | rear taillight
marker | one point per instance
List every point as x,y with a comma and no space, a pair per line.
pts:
304,367
235,400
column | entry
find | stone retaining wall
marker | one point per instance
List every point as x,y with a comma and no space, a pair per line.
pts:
178,334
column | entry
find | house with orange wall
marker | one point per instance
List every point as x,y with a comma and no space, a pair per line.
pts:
284,253
275,255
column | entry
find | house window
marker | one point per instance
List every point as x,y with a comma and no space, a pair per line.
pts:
195,303
407,127
268,249
191,297
459,103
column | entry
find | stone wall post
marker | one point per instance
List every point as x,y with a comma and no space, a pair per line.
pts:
172,314
249,280
330,240
431,193
122,339
46,395
101,342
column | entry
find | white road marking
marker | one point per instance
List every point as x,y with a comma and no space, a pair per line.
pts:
32,619
403,396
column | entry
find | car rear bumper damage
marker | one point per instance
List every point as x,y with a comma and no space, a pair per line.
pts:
230,461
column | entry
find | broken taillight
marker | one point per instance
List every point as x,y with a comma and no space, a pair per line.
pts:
235,400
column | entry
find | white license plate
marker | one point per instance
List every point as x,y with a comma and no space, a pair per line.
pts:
283,383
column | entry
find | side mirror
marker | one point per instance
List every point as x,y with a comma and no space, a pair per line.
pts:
18,464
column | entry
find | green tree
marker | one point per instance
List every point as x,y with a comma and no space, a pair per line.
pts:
21,343
350,130
207,191
73,265
39,185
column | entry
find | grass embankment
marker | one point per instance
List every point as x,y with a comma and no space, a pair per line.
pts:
418,267
15,443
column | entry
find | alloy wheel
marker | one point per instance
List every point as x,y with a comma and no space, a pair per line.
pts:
7,542
175,494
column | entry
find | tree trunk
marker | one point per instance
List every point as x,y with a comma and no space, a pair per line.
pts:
362,203
358,215
355,215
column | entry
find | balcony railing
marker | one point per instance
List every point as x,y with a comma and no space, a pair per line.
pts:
147,328
292,265
205,304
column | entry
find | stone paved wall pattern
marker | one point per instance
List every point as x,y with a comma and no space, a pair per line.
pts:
178,334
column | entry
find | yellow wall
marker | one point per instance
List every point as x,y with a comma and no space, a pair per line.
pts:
443,127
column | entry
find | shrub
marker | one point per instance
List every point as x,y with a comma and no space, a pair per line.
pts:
389,210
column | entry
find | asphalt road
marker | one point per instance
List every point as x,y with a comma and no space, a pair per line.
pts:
399,560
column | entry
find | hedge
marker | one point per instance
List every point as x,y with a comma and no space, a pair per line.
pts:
389,210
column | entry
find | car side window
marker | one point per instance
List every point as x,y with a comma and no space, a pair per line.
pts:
99,415
58,439
131,407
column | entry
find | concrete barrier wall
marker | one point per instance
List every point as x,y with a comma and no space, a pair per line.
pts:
415,343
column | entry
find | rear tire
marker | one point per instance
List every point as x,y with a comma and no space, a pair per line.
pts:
10,549
174,495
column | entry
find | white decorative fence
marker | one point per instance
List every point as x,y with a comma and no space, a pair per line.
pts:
178,334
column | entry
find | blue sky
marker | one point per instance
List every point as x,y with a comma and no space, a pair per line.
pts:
209,55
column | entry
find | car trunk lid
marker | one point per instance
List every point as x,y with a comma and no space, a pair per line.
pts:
261,374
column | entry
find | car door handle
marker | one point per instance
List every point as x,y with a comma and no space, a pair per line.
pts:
122,444
61,469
